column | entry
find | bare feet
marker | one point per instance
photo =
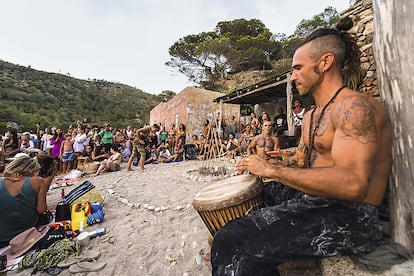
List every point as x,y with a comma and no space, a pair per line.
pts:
130,170
299,264
207,257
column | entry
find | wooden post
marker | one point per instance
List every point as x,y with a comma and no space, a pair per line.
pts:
393,50
289,99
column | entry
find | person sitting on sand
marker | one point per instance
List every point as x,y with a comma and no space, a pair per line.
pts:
178,151
113,163
99,153
86,155
265,142
232,146
165,155
22,195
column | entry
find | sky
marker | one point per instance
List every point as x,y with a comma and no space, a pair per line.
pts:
127,41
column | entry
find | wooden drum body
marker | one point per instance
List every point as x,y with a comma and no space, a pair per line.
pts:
228,199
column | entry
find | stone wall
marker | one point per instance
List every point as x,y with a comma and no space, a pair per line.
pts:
363,17
192,106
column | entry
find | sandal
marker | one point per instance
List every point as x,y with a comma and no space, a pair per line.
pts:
86,256
86,267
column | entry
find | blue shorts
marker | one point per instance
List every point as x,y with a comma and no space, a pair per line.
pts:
68,156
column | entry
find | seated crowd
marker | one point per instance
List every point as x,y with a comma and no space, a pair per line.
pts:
73,147
84,143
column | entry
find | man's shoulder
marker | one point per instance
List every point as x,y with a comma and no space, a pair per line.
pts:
356,101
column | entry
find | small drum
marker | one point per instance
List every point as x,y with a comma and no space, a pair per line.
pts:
228,199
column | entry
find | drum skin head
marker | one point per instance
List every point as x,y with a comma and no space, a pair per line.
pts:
227,192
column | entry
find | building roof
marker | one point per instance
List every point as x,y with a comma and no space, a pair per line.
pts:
268,90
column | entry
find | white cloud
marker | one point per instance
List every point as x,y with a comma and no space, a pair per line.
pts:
128,40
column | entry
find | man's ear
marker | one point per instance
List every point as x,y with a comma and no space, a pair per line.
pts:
326,61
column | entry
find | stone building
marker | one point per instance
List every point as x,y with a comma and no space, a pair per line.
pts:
192,107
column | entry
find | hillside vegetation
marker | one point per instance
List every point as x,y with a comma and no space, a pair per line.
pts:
29,96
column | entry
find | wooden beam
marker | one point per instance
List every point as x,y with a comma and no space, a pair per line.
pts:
395,66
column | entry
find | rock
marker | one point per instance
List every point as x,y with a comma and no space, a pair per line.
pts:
123,200
199,259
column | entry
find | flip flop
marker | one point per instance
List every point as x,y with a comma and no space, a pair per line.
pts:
84,256
86,267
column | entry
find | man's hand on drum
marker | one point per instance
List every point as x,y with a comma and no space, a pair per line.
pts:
254,164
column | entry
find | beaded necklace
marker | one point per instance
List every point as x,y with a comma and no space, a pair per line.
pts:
312,134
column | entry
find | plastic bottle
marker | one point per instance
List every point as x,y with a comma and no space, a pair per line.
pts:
97,232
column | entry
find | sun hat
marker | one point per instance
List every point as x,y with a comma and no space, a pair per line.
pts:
21,243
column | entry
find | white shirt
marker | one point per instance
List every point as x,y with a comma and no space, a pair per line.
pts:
80,140
30,146
297,118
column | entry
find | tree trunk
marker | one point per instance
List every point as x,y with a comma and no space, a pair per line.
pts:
393,49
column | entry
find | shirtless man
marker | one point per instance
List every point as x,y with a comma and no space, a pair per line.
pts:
66,153
330,207
264,143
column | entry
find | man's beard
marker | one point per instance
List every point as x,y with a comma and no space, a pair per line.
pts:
310,90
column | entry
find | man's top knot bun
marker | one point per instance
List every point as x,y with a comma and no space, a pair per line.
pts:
344,24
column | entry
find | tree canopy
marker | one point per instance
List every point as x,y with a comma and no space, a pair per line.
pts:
238,45
233,46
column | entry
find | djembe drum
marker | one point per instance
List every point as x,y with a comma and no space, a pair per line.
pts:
228,199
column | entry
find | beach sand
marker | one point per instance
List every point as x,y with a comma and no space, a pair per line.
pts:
152,228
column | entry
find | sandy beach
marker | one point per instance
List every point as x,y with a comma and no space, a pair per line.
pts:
152,228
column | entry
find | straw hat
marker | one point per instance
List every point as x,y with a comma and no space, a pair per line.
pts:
90,167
